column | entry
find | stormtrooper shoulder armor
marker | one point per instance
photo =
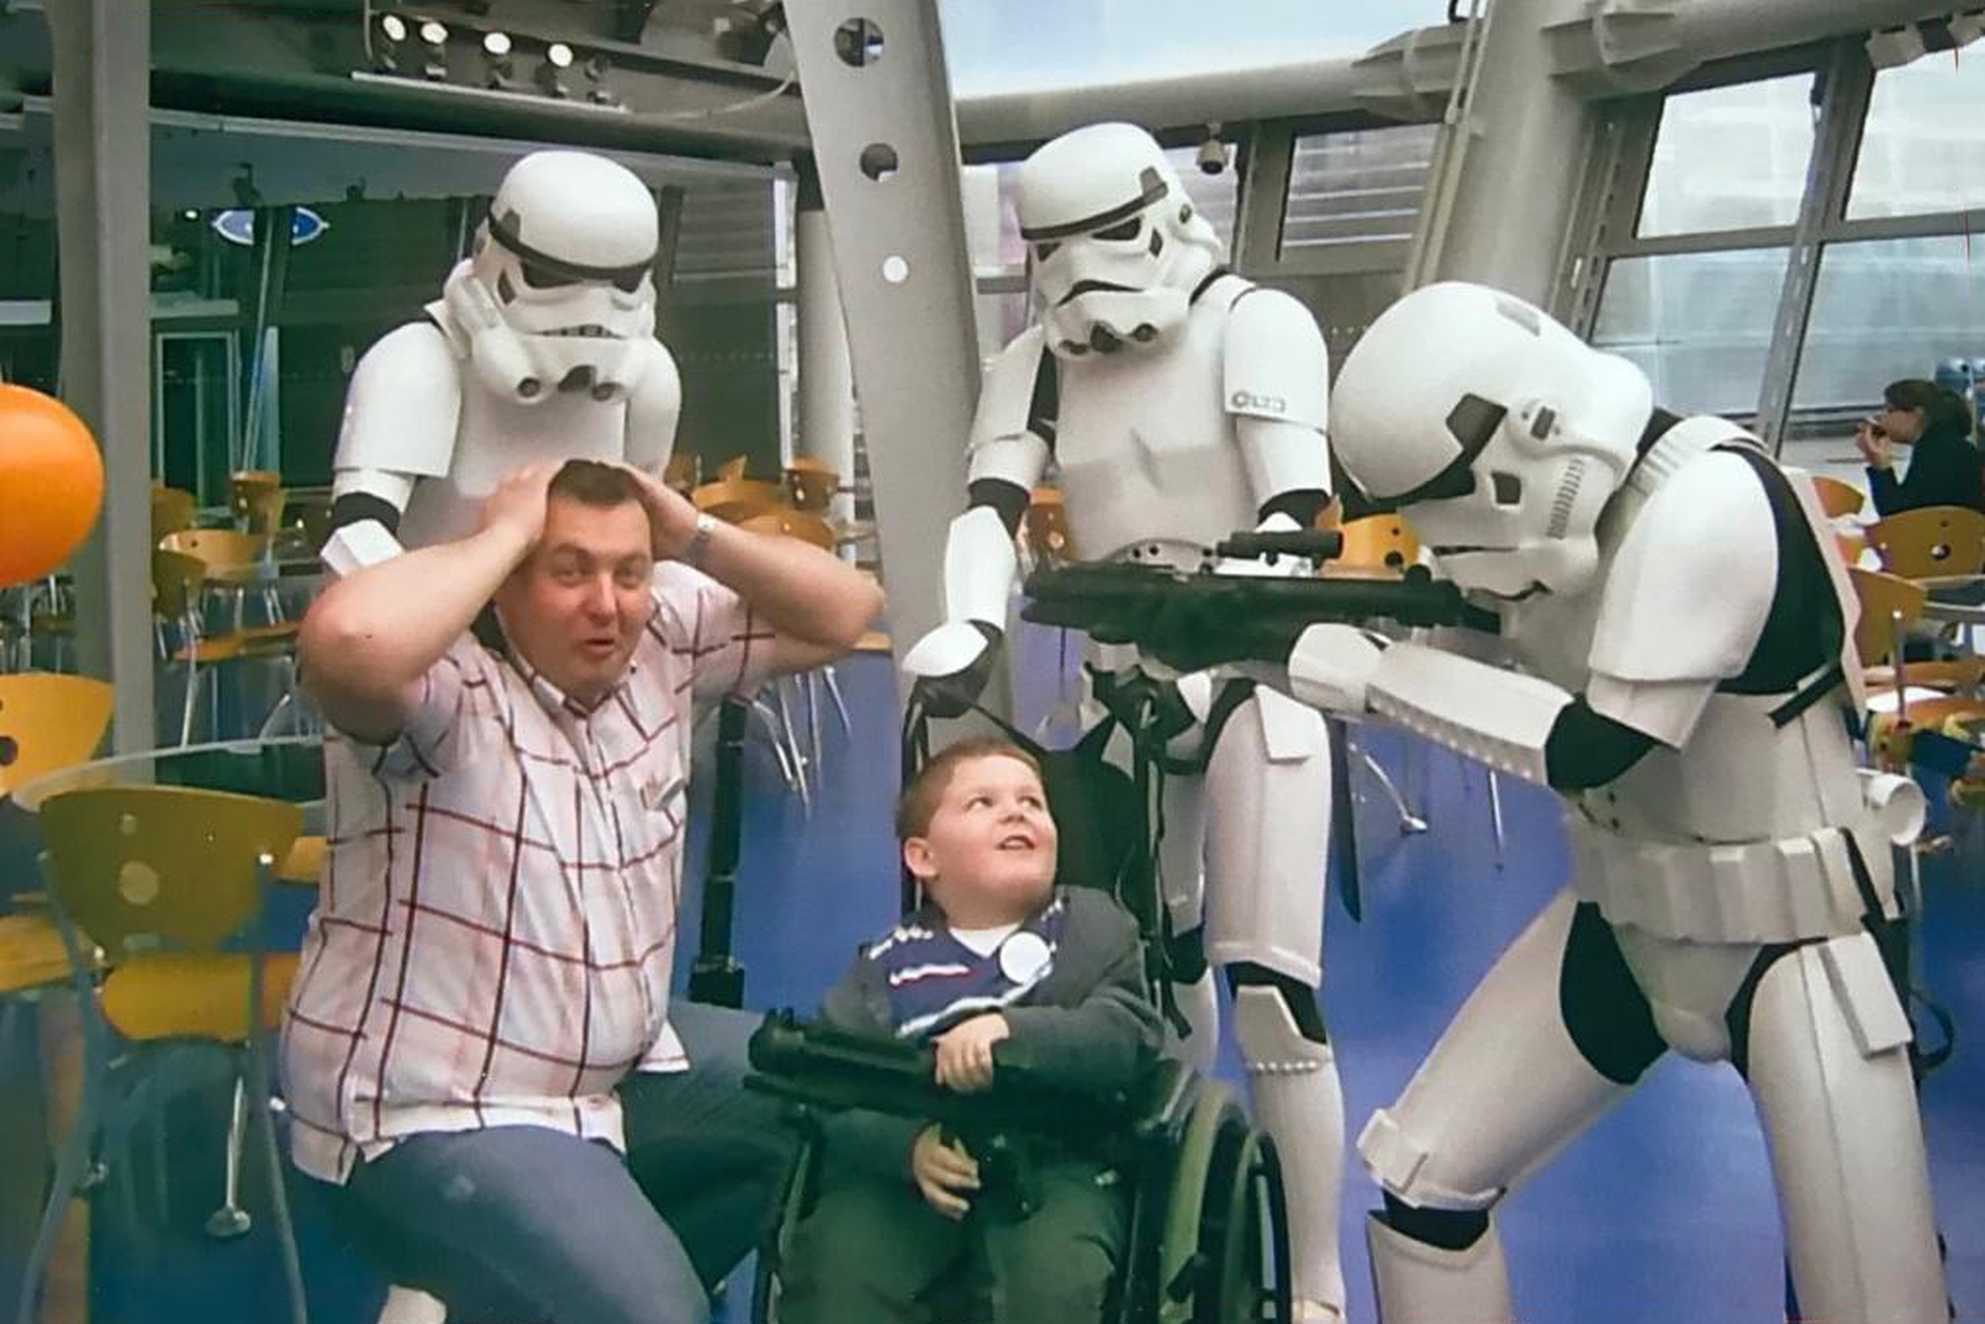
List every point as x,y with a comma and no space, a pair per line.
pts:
1014,425
1692,584
1276,366
403,405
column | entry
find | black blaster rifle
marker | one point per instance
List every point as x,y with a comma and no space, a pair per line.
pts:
1192,620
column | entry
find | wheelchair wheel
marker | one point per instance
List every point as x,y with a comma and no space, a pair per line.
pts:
1243,1233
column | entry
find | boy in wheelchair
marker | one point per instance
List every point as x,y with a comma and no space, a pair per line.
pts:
997,952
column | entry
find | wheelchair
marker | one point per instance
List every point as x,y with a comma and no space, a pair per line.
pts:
1208,1235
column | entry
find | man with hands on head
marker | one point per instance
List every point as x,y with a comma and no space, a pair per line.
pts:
480,1053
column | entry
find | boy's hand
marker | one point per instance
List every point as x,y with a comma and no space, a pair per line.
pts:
964,1053
517,506
671,515
941,1170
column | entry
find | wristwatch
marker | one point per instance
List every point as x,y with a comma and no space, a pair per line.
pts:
699,541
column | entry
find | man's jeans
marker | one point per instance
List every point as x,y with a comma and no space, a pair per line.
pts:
522,1225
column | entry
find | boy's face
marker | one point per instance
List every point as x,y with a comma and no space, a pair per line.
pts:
988,856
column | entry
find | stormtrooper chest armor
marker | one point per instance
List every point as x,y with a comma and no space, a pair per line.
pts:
1741,775
1150,466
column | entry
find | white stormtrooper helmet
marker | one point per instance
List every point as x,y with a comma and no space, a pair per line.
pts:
1495,431
1118,248
560,287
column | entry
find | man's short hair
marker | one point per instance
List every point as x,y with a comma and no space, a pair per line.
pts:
926,790
591,483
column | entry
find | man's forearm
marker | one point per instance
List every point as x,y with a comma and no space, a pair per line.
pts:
795,587
382,627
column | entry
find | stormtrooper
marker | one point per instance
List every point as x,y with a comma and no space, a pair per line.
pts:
1680,631
1181,403
542,344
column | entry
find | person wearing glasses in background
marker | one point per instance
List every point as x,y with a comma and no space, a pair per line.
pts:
1944,467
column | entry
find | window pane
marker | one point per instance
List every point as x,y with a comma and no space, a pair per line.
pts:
1730,158
1922,149
1698,324
1359,187
1889,308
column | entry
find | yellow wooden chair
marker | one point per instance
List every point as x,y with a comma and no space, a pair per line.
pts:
1381,545
47,722
811,485
1838,497
164,879
1918,695
1932,542
255,497
179,580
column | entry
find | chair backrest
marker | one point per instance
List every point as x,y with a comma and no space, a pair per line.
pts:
256,498
683,472
810,484
177,578
1883,597
1377,542
218,547
48,722
1046,526
139,865
801,524
1935,540
735,500
1838,497
172,510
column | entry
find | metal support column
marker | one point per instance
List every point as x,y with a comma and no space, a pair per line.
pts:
1526,135
1848,81
102,80
878,107
826,430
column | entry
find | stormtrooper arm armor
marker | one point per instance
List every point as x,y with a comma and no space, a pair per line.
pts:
653,408
1008,453
1513,722
401,413
1275,378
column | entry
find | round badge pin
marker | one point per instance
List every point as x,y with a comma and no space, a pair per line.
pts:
1024,957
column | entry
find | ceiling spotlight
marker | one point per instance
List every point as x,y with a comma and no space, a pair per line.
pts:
550,80
435,38
386,47
496,58
1211,157
597,68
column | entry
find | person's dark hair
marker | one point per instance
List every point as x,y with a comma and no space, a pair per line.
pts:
926,790
1943,409
591,483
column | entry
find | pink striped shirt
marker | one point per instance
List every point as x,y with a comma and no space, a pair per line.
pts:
496,928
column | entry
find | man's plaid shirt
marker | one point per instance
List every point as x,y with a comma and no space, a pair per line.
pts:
497,924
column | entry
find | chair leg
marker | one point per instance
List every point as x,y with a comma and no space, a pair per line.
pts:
1409,822
231,1220
258,1082
192,690
71,1164
1496,812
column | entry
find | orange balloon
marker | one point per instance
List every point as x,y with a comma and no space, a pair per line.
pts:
51,483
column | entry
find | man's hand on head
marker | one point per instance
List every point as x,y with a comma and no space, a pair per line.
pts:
671,515
517,506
